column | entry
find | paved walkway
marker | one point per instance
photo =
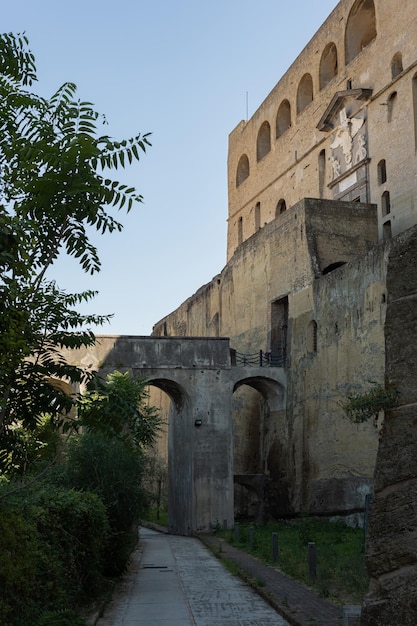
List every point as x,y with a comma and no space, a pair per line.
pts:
176,581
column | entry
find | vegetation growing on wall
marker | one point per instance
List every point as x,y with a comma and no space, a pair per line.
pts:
366,406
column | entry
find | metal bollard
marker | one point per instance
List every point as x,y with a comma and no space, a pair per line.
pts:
237,531
312,559
275,548
251,537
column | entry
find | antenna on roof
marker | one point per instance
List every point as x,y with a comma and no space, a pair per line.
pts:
247,106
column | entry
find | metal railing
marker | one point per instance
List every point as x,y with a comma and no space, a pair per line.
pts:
276,358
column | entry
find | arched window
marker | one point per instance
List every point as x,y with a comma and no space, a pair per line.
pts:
328,64
396,64
240,231
391,105
360,28
263,144
304,93
257,216
386,203
311,338
281,207
387,230
322,172
242,170
382,172
283,118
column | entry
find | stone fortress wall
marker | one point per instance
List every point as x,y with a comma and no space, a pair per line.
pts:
320,179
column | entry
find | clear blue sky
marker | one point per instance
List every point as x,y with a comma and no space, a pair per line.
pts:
181,70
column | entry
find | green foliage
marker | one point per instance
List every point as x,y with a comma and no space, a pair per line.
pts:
362,407
341,573
52,543
120,408
54,191
114,472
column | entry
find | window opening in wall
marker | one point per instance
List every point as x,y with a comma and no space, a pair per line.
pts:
396,64
240,231
281,207
279,329
415,108
382,172
328,65
386,230
312,330
386,203
283,118
349,84
391,105
263,144
360,28
322,172
257,216
304,93
242,170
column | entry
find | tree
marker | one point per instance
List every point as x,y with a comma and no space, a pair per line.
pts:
53,192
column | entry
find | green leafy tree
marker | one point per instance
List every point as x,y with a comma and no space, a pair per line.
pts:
55,189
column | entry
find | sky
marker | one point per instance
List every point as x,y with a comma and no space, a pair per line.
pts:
187,71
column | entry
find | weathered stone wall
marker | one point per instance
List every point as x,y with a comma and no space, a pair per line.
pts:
299,162
391,549
312,454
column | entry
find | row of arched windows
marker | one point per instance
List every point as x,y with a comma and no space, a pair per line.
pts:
360,32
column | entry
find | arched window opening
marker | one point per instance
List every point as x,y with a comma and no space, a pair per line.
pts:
382,172
283,118
322,172
263,144
333,266
415,108
240,231
386,203
387,230
312,331
304,93
360,28
328,65
257,216
396,64
391,105
242,170
281,207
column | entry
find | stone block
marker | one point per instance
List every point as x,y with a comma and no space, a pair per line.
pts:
401,346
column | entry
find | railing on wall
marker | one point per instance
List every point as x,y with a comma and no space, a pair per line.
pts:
259,359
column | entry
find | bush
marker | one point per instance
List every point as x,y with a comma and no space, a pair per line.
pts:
114,472
52,543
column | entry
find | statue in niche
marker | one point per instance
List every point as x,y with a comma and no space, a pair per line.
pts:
335,167
361,153
345,133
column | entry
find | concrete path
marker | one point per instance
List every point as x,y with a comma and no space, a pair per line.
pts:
176,581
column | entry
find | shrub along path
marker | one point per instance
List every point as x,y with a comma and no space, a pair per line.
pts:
295,602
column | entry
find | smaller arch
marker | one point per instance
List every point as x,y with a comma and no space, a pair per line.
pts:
263,143
175,391
243,170
360,28
281,207
396,64
386,203
333,266
391,105
304,93
328,65
283,122
382,172
240,231
387,230
322,172
257,216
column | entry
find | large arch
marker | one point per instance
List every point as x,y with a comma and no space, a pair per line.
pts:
328,65
304,93
263,142
360,28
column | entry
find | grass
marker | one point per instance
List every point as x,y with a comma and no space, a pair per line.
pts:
152,516
341,574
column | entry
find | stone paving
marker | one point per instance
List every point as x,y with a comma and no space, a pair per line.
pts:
176,581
